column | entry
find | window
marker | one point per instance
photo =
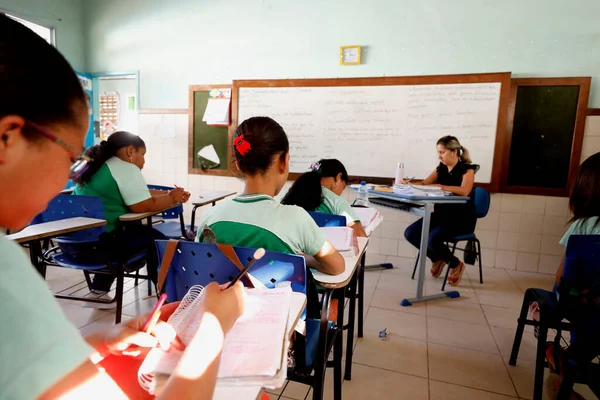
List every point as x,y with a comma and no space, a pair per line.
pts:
109,113
43,31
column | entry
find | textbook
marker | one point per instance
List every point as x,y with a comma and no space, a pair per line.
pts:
255,349
370,218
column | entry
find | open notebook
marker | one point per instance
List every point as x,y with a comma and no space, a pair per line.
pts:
255,349
370,218
343,239
420,190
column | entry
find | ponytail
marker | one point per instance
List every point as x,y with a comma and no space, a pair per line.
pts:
101,153
305,192
464,155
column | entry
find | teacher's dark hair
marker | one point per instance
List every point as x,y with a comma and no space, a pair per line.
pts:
54,96
584,201
107,149
306,192
266,140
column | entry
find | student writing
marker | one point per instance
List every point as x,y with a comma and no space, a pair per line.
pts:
454,174
321,189
114,175
42,355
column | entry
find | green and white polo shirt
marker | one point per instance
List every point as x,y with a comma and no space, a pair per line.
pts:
119,184
258,220
334,204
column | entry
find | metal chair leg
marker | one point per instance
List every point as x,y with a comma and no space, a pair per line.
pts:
416,264
540,361
520,329
119,293
448,268
480,262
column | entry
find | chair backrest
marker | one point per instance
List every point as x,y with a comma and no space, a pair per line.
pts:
323,219
582,260
66,206
202,263
171,213
481,201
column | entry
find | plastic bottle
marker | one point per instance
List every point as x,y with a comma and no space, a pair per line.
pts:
399,174
363,195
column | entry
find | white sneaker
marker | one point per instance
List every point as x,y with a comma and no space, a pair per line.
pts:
100,306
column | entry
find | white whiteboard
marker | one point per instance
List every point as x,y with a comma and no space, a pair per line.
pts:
372,128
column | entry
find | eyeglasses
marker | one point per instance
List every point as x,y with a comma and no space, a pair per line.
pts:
79,162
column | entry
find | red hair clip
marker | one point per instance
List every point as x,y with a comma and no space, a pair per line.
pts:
241,145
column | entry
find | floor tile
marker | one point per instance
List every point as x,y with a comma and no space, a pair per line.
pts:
395,353
374,383
470,368
400,324
390,299
457,310
446,391
502,317
505,338
461,334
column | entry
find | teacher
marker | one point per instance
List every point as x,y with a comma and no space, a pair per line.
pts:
454,174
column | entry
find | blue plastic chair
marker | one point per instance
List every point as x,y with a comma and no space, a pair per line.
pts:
481,200
324,220
171,229
202,263
581,272
73,247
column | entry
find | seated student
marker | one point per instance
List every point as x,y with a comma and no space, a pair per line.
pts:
254,219
114,175
43,356
454,174
321,189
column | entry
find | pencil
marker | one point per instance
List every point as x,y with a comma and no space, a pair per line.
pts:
153,317
258,254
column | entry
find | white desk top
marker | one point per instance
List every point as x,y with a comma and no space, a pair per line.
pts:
55,228
341,280
213,197
252,392
130,217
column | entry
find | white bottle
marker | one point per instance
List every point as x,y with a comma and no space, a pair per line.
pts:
363,195
399,174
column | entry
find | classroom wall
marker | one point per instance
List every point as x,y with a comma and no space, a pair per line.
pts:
178,43
66,16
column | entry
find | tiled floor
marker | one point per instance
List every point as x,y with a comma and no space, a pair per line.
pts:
443,350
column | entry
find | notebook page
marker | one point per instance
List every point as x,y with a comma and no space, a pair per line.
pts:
339,236
253,347
366,215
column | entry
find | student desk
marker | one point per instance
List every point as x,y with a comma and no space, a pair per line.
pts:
252,392
340,282
208,198
422,206
34,234
133,217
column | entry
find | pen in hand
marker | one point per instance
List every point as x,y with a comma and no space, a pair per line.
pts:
154,315
258,254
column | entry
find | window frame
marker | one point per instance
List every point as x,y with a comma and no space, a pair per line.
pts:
19,18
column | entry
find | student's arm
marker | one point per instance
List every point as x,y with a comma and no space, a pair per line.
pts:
330,261
466,186
358,229
430,180
559,272
159,202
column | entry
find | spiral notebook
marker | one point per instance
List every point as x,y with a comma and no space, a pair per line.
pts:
255,349
370,218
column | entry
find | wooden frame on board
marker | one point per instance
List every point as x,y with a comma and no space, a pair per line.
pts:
227,131
582,110
502,77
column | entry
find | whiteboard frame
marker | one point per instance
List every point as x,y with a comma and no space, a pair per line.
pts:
499,77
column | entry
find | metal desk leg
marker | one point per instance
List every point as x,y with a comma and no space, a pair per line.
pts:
361,294
338,346
35,255
350,326
422,257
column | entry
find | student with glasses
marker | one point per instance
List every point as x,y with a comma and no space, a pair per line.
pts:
42,355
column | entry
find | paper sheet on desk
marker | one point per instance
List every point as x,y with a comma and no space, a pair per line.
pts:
342,238
420,190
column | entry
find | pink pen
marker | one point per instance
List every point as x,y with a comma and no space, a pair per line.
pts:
152,319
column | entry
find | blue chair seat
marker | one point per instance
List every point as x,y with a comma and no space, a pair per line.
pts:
312,339
468,236
68,262
171,230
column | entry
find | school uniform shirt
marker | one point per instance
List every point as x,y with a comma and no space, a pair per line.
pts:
458,213
588,226
119,184
334,204
38,344
258,220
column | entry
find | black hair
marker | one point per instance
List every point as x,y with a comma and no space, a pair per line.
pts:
306,192
584,201
265,139
107,149
36,82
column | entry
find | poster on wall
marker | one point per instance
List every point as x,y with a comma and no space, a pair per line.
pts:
86,83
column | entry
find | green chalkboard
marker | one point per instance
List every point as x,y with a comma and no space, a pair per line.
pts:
205,135
542,136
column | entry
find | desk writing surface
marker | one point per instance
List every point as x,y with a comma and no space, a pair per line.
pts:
55,228
212,197
341,280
